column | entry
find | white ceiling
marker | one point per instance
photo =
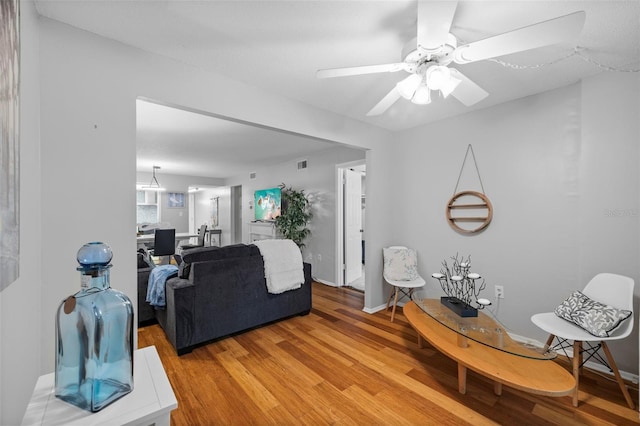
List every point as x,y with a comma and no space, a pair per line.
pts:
195,144
279,45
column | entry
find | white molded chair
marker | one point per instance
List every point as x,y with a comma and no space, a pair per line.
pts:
406,287
610,289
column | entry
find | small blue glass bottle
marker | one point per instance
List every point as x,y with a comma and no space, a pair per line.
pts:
94,336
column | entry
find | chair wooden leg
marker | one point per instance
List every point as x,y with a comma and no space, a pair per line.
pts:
390,297
577,357
580,359
616,373
395,304
549,341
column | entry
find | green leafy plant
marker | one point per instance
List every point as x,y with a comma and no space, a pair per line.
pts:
292,223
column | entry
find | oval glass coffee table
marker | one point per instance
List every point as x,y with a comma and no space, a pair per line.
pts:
482,345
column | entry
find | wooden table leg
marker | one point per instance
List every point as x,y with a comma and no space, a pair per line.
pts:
497,388
462,379
420,341
463,341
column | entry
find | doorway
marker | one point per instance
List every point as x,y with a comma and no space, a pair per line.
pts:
350,238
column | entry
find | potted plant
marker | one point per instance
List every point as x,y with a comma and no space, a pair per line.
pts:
292,223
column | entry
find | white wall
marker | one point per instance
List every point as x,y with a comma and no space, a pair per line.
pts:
318,181
203,211
552,165
609,209
21,332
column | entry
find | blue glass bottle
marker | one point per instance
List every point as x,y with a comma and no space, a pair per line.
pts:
94,336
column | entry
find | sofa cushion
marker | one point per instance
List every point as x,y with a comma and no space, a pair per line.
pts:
206,254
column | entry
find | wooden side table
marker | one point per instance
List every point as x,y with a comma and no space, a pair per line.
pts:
150,402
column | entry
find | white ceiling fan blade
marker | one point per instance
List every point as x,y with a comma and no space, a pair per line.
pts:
367,69
563,29
467,92
434,22
385,103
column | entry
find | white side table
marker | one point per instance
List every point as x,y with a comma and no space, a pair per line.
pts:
150,402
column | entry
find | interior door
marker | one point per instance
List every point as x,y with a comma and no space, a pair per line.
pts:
352,225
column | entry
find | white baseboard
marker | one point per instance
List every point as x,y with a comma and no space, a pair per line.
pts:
380,308
589,364
324,282
375,309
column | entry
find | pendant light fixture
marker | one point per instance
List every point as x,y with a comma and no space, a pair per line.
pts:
154,185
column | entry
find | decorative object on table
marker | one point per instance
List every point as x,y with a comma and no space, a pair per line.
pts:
94,336
479,203
461,287
10,143
292,223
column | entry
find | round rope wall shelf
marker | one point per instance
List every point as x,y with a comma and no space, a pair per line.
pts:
482,205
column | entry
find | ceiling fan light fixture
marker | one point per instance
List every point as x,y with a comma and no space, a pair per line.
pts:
422,95
437,77
409,85
448,87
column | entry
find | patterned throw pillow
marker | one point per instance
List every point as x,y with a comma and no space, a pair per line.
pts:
595,317
400,264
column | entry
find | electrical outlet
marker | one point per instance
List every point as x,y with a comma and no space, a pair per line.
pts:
319,257
499,292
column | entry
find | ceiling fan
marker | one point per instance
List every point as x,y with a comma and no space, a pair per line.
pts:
427,58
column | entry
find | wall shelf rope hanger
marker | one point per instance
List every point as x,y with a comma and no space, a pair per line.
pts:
482,204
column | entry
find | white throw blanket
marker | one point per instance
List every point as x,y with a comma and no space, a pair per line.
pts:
282,265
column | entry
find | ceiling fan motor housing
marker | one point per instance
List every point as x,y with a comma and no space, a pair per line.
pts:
417,57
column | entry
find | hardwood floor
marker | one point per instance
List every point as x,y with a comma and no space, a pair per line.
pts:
339,365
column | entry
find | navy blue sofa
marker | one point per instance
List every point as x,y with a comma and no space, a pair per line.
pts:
220,291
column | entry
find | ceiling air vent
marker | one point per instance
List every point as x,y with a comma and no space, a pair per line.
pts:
302,164
252,175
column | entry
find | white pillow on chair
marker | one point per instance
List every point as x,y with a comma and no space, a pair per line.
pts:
400,264
595,317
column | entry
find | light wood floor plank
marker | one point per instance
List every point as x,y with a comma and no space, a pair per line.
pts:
341,366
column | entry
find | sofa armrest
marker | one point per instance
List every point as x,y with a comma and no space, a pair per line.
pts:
307,273
177,319
144,310
178,283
